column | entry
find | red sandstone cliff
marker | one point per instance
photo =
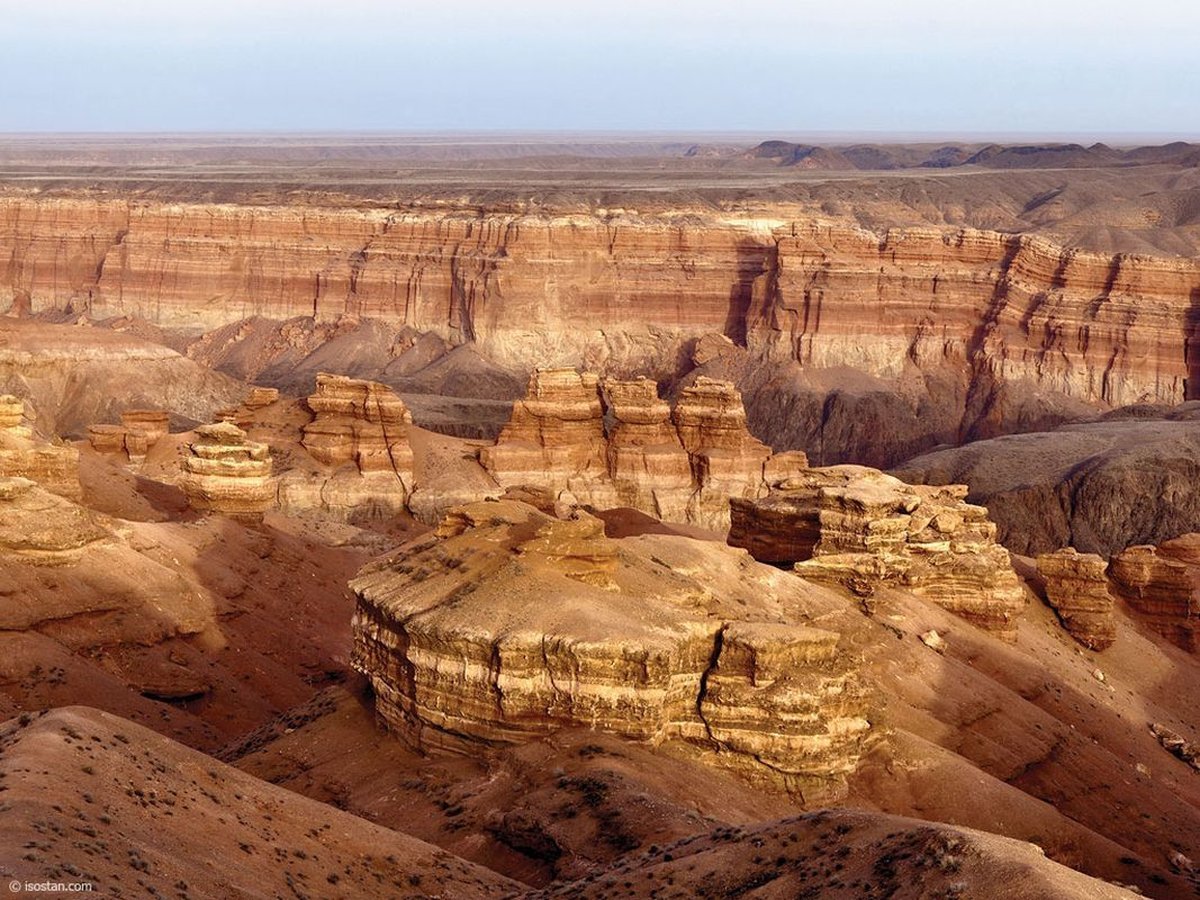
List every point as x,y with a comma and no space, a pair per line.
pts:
971,330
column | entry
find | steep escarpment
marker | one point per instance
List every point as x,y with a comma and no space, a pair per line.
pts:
937,333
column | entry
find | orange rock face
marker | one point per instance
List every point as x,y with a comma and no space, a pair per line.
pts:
629,291
555,437
359,441
510,623
1077,588
23,455
140,429
1013,308
650,467
862,529
226,473
362,422
618,444
1163,584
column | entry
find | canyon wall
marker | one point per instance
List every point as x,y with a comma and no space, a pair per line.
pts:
974,332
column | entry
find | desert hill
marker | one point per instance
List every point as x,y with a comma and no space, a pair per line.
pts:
91,797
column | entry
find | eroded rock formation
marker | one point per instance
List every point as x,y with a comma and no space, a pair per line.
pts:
510,623
140,429
962,331
862,529
616,443
39,527
1077,589
648,463
226,473
360,422
24,455
555,437
359,438
1163,584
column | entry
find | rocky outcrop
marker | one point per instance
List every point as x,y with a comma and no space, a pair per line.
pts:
510,623
359,440
616,443
39,527
12,414
140,429
55,466
143,429
225,472
359,422
1177,745
1163,585
862,529
555,437
1077,589
649,466
726,460
106,438
958,332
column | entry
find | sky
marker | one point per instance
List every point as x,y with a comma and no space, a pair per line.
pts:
787,67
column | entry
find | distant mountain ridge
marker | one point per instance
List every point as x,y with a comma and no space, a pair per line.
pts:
884,157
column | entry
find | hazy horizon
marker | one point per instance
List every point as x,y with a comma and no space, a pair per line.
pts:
923,69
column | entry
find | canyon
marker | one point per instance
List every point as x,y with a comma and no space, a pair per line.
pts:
972,332
678,520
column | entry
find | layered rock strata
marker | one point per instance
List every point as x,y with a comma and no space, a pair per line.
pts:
359,422
555,437
1077,589
646,459
359,437
143,429
726,460
12,413
862,529
140,429
1163,585
24,455
225,472
962,328
39,527
616,443
106,438
243,415
508,623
